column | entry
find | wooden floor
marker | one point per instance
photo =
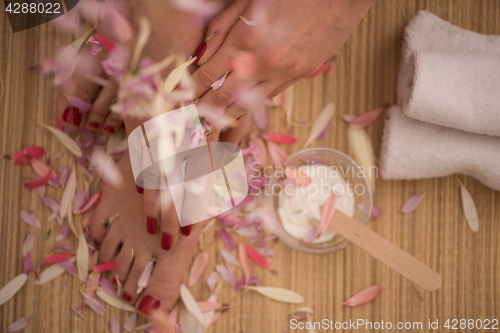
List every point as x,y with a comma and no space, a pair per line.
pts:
365,77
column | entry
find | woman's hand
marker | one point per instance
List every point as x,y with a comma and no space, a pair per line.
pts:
287,40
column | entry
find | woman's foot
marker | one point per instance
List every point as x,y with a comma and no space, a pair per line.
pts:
129,244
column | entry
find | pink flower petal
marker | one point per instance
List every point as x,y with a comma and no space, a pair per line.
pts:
325,131
348,118
68,266
94,304
281,138
129,325
64,229
217,84
198,268
104,267
212,280
107,286
311,236
240,284
30,219
364,296
267,252
327,212
226,274
42,181
245,263
229,258
277,154
18,325
28,242
53,259
145,276
106,42
228,239
21,155
28,263
114,324
259,259
80,104
411,204
375,212
366,119
62,245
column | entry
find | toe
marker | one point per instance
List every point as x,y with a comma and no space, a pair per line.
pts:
163,289
123,259
110,247
112,123
73,116
130,287
101,105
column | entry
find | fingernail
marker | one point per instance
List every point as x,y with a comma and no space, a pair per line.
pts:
94,125
114,282
126,297
72,116
199,53
149,305
166,241
109,129
151,225
139,189
239,144
186,230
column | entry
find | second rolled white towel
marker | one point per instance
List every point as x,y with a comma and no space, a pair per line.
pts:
450,76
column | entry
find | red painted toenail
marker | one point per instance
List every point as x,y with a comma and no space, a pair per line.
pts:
72,116
186,230
239,144
151,225
139,189
166,241
114,282
199,52
126,297
149,305
109,129
94,125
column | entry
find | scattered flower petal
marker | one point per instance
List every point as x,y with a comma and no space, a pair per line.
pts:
18,325
327,212
412,203
104,267
42,181
278,294
129,324
281,138
360,143
53,259
94,304
226,274
28,242
114,324
228,239
50,273
143,281
68,266
469,208
277,154
245,263
198,268
247,22
212,280
364,296
230,259
259,259
113,301
79,104
65,140
191,305
348,118
28,263
206,306
107,286
217,84
12,287
366,119
321,122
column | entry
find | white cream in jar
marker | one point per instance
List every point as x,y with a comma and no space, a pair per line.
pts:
300,206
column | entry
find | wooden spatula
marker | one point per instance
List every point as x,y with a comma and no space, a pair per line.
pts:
383,250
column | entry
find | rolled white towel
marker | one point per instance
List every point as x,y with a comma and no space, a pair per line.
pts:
450,76
412,149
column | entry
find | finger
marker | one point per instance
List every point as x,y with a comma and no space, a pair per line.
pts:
169,222
219,28
151,210
100,108
230,91
112,123
237,131
250,101
79,86
203,77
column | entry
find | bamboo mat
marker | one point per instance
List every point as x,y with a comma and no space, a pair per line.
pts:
365,78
